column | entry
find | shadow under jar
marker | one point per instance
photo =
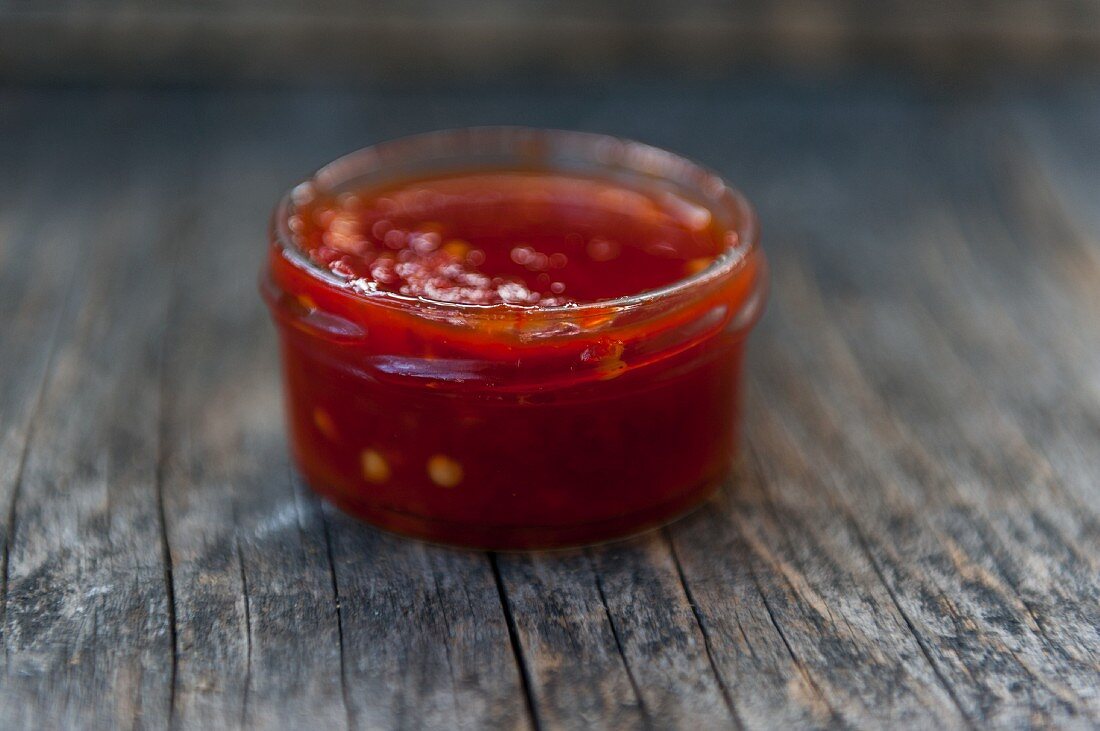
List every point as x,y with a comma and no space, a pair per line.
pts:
441,383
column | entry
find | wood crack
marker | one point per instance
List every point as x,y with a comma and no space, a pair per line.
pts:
1003,584
707,643
648,721
985,534
162,519
798,663
517,647
845,356
247,629
39,398
339,618
441,598
866,549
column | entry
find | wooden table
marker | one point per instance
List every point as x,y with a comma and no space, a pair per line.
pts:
913,539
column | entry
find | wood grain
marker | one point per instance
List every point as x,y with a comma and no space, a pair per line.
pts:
911,538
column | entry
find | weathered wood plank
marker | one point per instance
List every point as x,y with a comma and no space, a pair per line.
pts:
31,293
882,410
33,296
85,622
1036,408
926,537
578,674
822,641
659,635
425,640
913,539
257,626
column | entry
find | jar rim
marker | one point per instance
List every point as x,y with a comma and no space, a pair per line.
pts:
539,149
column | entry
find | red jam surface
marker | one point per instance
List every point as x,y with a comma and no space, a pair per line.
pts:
547,413
509,237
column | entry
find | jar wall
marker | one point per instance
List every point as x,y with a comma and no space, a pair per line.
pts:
520,469
506,426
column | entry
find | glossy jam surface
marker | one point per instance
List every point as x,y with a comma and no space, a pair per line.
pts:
508,237
544,418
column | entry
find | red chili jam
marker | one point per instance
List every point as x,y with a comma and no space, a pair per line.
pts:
511,338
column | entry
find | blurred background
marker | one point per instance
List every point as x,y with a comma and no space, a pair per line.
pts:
341,41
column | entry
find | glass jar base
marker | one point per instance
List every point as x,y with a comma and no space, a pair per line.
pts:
521,537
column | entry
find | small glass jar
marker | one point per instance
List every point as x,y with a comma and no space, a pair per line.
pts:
511,427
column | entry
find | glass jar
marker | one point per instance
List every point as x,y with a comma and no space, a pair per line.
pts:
512,427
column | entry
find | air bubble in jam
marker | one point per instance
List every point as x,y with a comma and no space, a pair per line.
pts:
489,238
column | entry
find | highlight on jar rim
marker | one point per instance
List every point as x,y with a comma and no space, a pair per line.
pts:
514,338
